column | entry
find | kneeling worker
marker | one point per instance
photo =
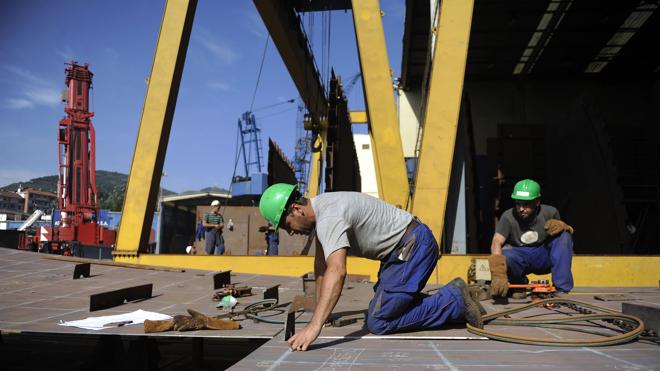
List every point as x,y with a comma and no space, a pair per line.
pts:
530,238
361,225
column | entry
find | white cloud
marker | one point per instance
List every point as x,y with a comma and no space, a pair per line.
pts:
255,25
43,96
219,85
18,103
32,90
111,52
25,75
216,47
67,54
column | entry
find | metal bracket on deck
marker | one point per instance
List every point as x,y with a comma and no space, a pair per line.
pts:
272,293
221,279
114,298
81,270
290,324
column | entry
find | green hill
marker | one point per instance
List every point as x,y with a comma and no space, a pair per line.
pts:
110,185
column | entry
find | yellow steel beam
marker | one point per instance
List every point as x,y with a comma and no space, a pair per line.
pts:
442,110
314,181
284,28
359,117
391,173
588,271
153,135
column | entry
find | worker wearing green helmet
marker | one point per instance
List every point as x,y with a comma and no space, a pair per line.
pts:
353,223
530,238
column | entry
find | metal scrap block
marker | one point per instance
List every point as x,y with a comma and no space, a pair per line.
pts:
616,297
650,314
221,279
114,298
272,293
81,270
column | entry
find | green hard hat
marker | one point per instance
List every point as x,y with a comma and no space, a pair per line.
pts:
273,201
526,190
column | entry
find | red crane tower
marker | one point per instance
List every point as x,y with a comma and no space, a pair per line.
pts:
77,170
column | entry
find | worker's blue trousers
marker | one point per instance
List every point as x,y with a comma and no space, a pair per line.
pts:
214,241
273,244
398,304
553,256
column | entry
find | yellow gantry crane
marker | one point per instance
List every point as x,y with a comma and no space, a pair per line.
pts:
438,126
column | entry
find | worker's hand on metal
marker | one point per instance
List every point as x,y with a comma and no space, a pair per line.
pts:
556,226
302,340
499,281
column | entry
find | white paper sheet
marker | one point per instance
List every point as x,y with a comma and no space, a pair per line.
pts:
126,319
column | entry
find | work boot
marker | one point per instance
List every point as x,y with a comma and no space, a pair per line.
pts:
458,282
471,309
158,326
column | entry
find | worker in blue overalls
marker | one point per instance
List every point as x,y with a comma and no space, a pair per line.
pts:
273,240
530,238
352,223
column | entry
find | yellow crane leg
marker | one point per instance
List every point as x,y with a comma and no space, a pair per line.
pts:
315,175
390,165
442,111
155,124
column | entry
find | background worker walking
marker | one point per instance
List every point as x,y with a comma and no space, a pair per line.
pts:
352,223
530,238
213,225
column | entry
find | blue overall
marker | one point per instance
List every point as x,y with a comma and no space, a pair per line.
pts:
214,241
554,256
398,304
273,241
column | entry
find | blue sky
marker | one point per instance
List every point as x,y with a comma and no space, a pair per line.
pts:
117,39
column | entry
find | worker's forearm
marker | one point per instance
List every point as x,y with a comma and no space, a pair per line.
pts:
331,285
496,248
319,271
319,287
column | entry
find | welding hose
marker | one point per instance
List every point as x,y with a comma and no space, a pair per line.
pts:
262,306
609,315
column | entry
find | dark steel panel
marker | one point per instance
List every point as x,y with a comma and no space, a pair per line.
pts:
221,279
114,298
272,293
81,270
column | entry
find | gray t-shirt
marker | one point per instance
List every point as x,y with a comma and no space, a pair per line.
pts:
369,227
518,233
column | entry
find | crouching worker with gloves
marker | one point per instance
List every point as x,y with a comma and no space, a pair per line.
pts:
530,238
352,223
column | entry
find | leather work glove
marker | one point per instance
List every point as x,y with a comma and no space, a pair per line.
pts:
499,281
212,323
556,226
196,321
187,323
158,326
